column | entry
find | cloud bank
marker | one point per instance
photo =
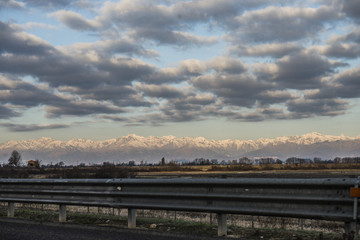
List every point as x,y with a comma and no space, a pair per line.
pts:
276,60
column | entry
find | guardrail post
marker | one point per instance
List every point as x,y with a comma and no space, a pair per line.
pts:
62,213
11,209
131,218
222,227
351,227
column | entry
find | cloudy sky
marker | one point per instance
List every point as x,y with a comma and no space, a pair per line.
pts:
237,69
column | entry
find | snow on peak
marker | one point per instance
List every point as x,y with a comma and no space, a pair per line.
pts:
152,148
305,139
135,143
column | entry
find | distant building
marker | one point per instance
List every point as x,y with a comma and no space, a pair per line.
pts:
31,164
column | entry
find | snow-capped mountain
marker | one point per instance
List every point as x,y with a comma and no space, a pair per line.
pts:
152,149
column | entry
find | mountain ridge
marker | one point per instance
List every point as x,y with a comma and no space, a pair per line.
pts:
153,148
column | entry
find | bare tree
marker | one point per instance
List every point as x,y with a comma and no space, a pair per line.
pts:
37,163
15,159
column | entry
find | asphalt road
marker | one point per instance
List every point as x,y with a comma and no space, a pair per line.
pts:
14,229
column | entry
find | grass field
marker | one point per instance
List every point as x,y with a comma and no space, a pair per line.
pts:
114,171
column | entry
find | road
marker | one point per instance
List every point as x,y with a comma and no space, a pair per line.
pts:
14,229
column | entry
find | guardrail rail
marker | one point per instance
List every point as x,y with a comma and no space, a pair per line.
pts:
334,199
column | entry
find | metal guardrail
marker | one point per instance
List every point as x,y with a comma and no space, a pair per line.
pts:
325,198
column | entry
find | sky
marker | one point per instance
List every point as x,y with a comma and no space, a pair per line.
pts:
220,69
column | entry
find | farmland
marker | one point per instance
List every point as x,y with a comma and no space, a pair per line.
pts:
313,170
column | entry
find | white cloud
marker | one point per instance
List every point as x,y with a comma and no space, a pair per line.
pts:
76,21
32,25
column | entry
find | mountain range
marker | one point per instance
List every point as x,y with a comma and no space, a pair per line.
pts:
152,149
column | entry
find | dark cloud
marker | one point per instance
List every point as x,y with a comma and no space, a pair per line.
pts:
273,69
239,90
76,21
115,118
343,46
7,112
173,115
17,92
82,108
28,55
31,56
353,36
190,104
166,75
10,4
162,23
266,98
295,109
175,112
298,71
341,50
227,65
173,16
108,48
101,81
349,82
20,93
122,71
307,108
172,37
194,107
278,24
17,42
255,115
122,96
184,71
55,70
123,46
303,70
275,50
160,91
273,113
204,10
352,8
31,127
344,85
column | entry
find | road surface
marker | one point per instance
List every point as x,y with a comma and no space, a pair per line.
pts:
15,229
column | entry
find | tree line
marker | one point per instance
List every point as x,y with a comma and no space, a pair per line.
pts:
15,160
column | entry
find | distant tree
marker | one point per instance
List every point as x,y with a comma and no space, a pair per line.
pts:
337,160
245,160
60,164
14,159
214,161
37,163
278,161
105,164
